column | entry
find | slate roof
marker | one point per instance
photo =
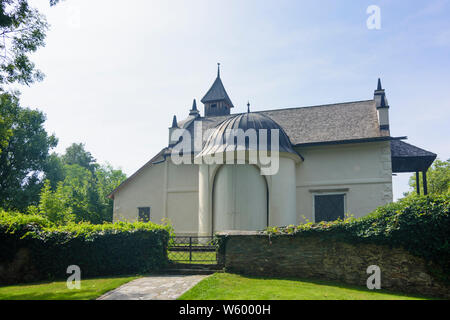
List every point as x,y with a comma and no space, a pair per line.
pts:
403,149
316,124
220,141
409,158
334,123
217,92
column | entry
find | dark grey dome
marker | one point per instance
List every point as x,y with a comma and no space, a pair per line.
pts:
220,141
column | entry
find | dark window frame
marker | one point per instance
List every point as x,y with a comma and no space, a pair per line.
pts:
324,194
144,216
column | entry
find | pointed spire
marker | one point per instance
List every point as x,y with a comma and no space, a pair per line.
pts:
380,96
379,88
248,107
194,110
174,122
217,93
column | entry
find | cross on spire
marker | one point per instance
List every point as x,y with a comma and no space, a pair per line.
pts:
218,69
248,107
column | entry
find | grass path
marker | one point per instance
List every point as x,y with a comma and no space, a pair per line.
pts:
224,286
90,289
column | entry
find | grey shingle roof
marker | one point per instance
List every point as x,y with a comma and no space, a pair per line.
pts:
350,121
324,123
403,149
343,121
220,140
217,92
409,158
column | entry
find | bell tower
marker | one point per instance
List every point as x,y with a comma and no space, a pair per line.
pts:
216,100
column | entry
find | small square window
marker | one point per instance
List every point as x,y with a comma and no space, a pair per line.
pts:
214,105
329,207
144,214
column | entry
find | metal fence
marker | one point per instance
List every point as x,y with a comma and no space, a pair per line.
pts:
199,250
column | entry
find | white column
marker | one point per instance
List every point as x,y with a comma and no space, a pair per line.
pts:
282,193
204,214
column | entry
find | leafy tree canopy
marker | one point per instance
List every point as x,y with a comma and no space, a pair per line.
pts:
438,177
80,196
76,154
22,30
24,155
77,186
5,133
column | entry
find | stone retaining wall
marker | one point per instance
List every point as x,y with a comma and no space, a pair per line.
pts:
311,257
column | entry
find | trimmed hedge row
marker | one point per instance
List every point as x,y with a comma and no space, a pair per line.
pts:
32,248
419,224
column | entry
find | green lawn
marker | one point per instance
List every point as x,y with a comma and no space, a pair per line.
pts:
225,286
220,286
90,289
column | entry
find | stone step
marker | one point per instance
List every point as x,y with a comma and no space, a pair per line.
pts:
184,268
191,272
195,266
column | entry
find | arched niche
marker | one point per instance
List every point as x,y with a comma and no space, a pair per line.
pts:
240,198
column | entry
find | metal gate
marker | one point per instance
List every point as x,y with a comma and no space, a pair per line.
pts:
192,250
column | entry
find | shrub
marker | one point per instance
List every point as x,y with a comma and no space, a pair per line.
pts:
33,248
419,224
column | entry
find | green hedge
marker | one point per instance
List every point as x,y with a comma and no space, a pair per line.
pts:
419,224
32,248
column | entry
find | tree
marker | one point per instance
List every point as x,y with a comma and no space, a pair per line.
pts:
22,31
5,133
54,170
438,177
54,205
85,183
23,159
80,185
88,192
76,154
80,196
108,179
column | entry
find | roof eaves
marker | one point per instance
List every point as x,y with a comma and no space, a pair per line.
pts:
349,141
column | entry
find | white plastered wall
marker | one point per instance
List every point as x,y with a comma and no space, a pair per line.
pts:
362,172
182,198
145,189
170,190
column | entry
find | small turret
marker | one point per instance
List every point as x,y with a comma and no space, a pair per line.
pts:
382,108
171,130
216,100
194,110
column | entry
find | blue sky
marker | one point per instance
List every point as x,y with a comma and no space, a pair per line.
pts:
115,74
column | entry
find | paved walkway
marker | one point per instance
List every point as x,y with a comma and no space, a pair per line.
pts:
168,287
